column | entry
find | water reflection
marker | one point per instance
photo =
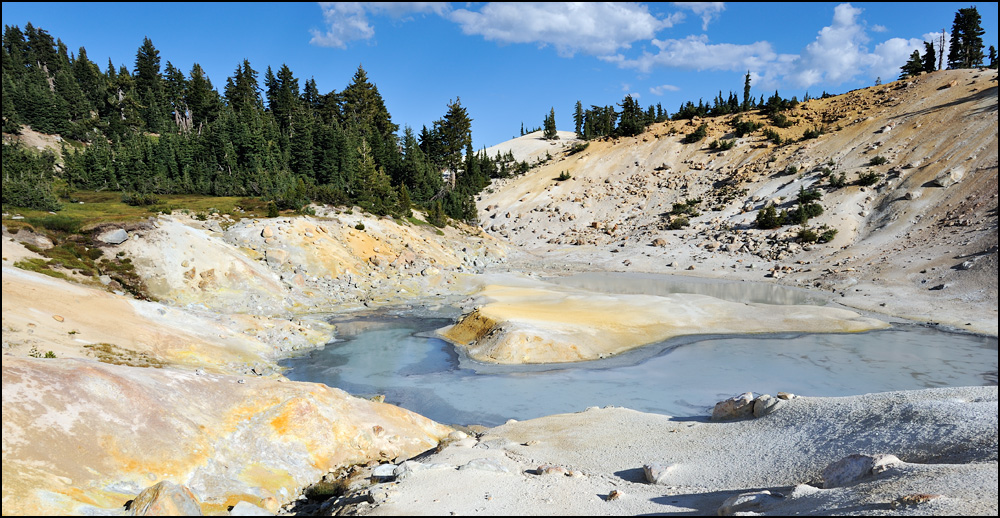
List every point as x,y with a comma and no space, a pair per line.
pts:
682,377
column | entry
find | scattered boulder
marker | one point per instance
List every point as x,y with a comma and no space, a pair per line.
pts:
275,257
766,404
736,407
660,242
165,499
748,502
856,467
949,177
658,472
551,469
267,232
485,465
114,237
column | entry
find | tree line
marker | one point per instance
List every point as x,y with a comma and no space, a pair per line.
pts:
157,130
965,50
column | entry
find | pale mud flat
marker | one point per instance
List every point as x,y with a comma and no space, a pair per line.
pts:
944,443
548,323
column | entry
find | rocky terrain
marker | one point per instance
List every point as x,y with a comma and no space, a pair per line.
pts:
176,404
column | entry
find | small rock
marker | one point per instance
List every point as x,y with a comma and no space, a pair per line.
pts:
658,472
660,242
114,237
765,404
58,318
912,500
786,395
384,473
856,467
737,407
614,495
748,502
485,465
551,469
938,287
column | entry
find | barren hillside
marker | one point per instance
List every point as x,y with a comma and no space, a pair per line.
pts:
921,242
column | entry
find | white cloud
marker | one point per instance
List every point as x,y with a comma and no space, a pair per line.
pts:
597,28
837,54
660,90
707,10
891,54
695,53
879,28
348,21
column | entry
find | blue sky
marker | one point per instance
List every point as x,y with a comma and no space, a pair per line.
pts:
511,63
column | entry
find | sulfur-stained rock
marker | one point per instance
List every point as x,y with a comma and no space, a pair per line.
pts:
165,499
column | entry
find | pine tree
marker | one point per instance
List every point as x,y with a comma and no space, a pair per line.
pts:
549,126
929,56
453,133
747,100
993,57
913,66
577,119
966,39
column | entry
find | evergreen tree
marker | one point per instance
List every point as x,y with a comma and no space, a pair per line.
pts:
201,97
631,121
549,126
148,85
747,100
913,66
453,134
577,119
993,57
929,56
966,39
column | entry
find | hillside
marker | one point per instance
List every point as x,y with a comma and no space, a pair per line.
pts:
920,243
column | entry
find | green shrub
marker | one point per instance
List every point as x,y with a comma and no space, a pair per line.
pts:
878,160
768,218
815,132
721,145
868,179
801,214
790,171
578,147
781,121
688,207
742,127
697,134
359,226
825,234
58,223
773,136
563,176
679,222
838,180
